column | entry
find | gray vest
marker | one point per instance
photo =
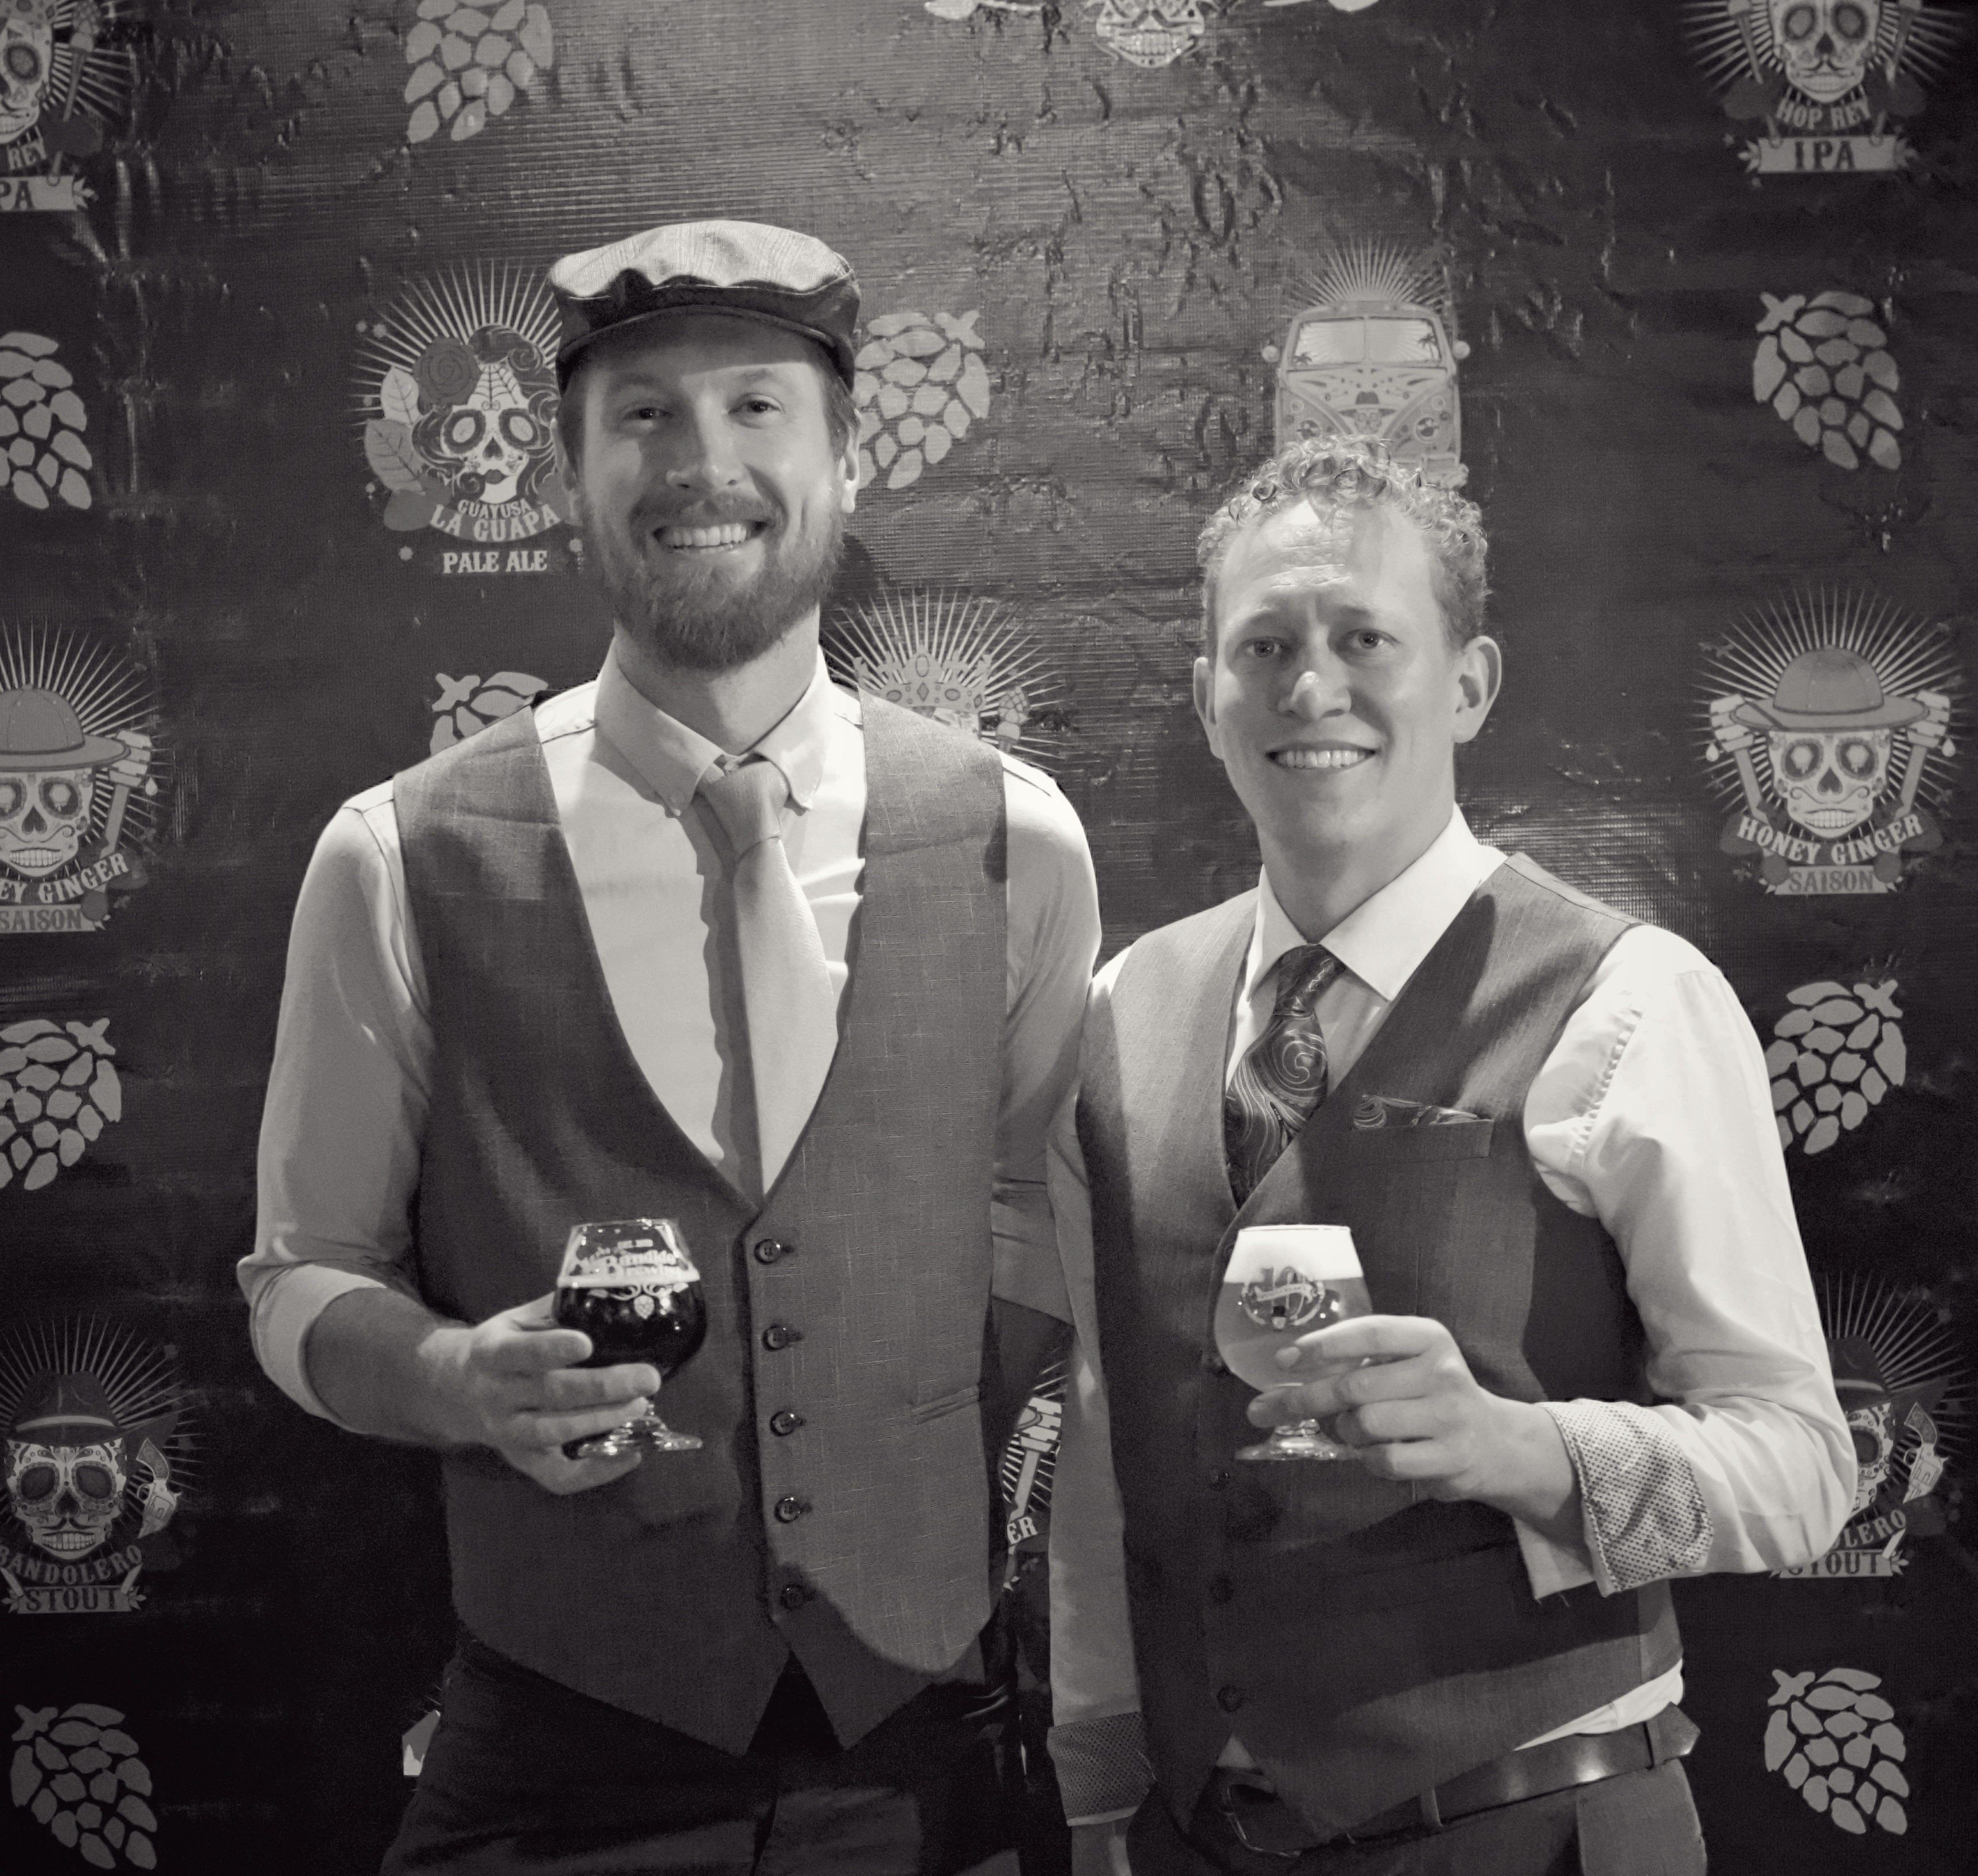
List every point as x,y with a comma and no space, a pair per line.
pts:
1364,1641
839,1508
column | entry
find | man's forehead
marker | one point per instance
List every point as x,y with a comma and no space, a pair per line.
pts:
1301,548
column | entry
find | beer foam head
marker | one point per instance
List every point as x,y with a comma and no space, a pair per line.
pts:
1324,1251
620,1253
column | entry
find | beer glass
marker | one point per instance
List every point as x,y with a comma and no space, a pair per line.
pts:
1284,1281
629,1284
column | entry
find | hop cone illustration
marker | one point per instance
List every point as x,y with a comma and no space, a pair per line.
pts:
467,705
80,1775
1835,1054
58,1087
469,62
1835,1742
1822,363
921,384
41,422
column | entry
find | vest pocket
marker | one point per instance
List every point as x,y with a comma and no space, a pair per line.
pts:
947,1404
1457,1140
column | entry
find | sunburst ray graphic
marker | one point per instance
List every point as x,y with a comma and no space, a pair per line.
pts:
1915,1347
956,658
1907,653
1386,272
108,74
454,304
141,1380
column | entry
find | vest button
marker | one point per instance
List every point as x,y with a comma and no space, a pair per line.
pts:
790,1507
793,1596
1221,1589
1217,1479
1229,1699
780,1335
786,1421
768,1250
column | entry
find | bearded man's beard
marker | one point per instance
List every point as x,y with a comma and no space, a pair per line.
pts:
698,618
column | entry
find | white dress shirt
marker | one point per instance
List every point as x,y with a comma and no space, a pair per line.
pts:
1653,1113
348,1095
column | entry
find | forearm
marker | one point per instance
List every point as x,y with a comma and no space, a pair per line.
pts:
385,1364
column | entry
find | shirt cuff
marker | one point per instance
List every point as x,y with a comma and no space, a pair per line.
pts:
285,1307
1642,1512
1101,1765
1551,1568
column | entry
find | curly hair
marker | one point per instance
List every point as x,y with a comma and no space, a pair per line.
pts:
1357,472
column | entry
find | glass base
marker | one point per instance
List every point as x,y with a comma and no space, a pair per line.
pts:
648,1433
1297,1439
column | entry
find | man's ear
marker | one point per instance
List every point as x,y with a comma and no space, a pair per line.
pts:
847,471
1479,675
567,471
1204,704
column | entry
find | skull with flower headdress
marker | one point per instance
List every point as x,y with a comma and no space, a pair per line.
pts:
490,415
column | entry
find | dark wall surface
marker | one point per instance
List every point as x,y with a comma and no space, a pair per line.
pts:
1719,408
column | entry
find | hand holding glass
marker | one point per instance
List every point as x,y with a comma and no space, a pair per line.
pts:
629,1284
1283,1282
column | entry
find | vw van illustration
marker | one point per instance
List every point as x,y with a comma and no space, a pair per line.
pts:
1373,357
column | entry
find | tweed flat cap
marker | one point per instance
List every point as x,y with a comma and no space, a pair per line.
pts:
748,269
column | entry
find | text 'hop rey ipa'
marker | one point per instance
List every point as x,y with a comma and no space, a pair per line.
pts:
1284,1281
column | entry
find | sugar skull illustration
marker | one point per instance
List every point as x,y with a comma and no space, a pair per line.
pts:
1149,33
1829,718
48,768
26,62
1825,46
1828,735
458,402
69,1461
495,443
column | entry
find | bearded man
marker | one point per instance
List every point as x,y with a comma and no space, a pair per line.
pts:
712,941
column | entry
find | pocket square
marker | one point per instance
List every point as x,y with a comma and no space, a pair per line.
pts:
1374,1110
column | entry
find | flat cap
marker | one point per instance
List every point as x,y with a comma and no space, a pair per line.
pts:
748,269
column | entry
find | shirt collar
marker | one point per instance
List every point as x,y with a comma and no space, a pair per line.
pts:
670,759
1383,940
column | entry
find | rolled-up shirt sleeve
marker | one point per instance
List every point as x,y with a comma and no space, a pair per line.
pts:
1053,901
1653,1114
338,1163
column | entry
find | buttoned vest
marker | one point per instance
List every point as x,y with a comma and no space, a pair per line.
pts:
854,1529
1364,1641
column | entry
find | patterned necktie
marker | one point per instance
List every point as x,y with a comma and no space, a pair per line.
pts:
786,992
1281,1077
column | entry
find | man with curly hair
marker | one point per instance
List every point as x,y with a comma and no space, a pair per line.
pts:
1595,1362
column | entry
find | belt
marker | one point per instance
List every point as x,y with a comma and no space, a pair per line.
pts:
1264,1825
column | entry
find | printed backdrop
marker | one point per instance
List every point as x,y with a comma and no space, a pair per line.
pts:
1684,288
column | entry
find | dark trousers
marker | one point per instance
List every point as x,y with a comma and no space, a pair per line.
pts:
1641,1824
524,1774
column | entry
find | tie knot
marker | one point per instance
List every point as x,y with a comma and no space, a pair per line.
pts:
1302,976
748,800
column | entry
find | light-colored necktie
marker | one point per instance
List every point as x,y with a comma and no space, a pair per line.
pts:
786,995
1282,1075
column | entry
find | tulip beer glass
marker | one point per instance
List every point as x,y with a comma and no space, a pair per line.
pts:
629,1284
1284,1281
